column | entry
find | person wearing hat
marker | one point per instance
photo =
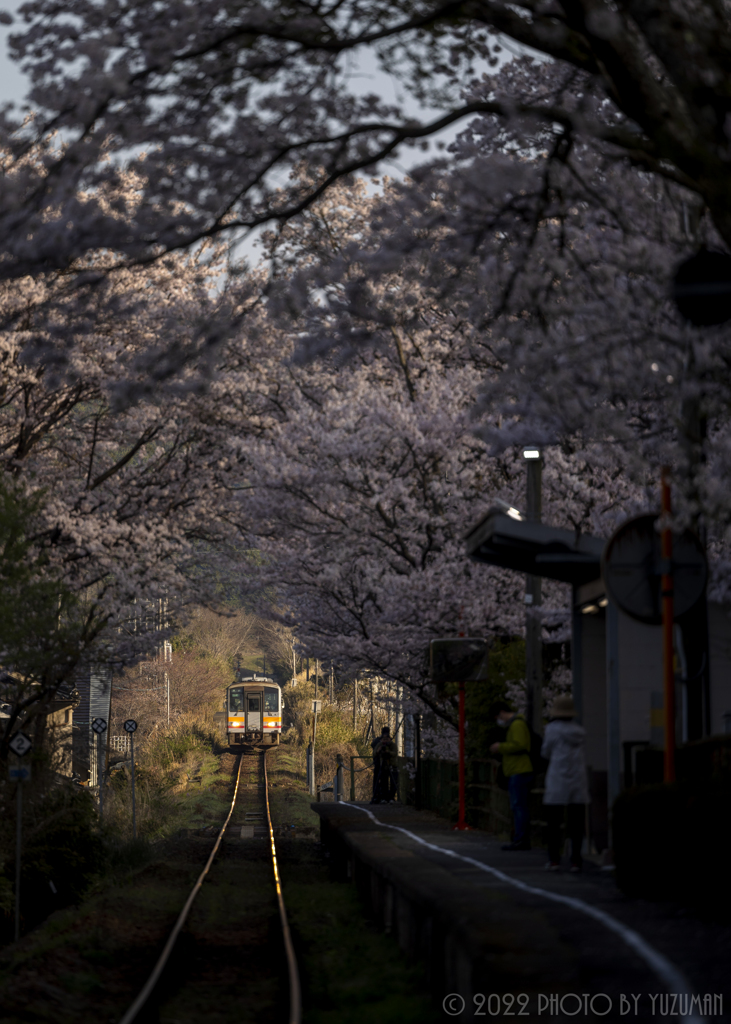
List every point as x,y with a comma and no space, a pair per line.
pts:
566,786
518,770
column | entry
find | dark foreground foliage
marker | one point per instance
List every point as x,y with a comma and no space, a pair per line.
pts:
62,853
670,842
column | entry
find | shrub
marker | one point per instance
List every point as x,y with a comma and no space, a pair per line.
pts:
326,760
62,847
168,763
187,734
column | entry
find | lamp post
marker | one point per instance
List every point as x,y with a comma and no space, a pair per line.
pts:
533,644
668,618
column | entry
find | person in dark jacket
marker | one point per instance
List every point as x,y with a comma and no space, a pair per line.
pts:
375,743
566,790
386,753
518,770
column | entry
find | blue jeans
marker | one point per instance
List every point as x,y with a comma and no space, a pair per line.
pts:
519,786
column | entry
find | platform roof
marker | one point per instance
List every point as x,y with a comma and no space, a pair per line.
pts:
535,548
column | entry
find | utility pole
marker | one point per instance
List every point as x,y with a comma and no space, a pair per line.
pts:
533,625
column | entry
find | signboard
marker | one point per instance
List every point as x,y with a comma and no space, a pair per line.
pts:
19,773
632,568
99,725
20,744
317,706
130,725
458,660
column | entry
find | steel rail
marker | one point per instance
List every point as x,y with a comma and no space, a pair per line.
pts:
295,996
165,955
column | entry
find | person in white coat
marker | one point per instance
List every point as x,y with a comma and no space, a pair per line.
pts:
566,786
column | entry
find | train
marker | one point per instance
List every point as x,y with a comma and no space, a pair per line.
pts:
253,711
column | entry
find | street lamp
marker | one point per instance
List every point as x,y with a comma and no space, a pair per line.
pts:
533,630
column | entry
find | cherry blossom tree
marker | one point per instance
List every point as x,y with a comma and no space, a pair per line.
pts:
216,103
130,483
526,271
539,283
560,267
369,472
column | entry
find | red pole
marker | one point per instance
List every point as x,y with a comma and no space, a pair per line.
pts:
666,540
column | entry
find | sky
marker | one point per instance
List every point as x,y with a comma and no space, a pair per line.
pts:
13,84
364,77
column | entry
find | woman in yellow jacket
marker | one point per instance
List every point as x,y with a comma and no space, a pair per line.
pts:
518,770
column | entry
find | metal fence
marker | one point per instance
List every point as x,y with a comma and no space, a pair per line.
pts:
119,743
359,781
437,789
433,786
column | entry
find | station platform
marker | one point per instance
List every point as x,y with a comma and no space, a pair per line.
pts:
503,939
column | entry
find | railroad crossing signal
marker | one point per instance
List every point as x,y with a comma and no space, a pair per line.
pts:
130,725
20,744
99,725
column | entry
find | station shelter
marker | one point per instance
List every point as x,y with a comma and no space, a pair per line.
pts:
616,661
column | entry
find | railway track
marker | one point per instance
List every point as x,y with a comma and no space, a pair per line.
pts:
249,817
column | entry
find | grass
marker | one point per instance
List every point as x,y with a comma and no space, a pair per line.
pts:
352,973
90,960
178,785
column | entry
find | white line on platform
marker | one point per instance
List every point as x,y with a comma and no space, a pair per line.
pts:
669,974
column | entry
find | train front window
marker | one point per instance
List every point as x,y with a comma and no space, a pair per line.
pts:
236,699
254,704
271,700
